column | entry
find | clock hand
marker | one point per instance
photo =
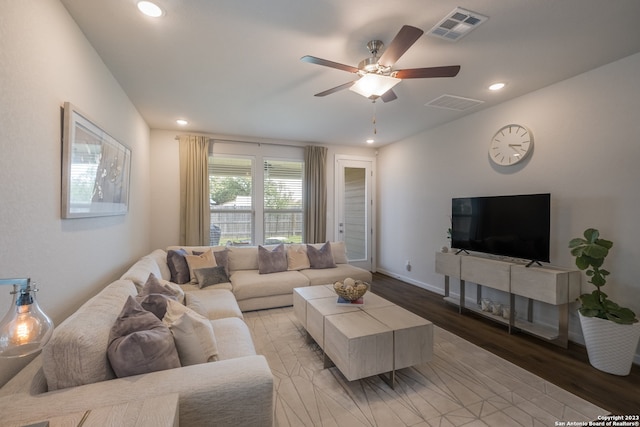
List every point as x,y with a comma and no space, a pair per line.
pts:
515,145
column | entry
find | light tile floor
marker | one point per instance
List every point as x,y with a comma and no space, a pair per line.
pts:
463,385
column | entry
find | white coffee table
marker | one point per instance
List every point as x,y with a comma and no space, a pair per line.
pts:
375,338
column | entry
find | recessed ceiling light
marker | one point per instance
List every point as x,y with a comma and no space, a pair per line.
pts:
496,86
150,9
370,141
182,122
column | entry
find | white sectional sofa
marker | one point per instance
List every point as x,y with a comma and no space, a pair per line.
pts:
74,374
255,291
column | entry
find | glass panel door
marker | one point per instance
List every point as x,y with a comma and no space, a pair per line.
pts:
354,205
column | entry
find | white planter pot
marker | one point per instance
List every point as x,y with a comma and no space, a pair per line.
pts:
610,346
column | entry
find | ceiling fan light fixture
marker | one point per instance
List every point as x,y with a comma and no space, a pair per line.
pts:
374,85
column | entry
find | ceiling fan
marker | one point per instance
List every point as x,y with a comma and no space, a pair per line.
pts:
377,77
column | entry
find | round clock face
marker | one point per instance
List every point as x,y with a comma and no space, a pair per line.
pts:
510,145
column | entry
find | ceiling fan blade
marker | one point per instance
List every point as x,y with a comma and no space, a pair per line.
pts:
405,38
327,63
389,96
421,73
335,89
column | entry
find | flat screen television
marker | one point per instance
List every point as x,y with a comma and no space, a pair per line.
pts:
513,226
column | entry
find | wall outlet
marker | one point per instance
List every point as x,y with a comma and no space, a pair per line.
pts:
407,265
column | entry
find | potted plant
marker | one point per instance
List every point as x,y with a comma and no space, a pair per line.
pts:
611,332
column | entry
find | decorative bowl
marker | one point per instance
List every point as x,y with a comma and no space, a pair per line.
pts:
351,289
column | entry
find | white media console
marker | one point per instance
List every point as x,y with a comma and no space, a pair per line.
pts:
549,285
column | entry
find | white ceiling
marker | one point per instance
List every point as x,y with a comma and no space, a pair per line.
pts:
232,67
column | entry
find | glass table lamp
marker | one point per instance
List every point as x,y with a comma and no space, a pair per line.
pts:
25,329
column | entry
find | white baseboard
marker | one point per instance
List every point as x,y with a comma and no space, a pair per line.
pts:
411,281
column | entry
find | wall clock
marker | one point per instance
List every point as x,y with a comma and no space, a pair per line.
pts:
510,145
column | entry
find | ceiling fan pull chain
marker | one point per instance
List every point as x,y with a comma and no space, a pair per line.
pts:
375,131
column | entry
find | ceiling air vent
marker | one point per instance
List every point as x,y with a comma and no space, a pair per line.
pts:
457,24
452,102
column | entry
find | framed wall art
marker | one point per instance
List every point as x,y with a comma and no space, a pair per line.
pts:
96,169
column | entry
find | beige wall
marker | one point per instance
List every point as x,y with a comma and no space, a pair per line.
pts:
586,154
45,60
165,191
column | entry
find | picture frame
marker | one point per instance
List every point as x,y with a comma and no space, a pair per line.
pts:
96,169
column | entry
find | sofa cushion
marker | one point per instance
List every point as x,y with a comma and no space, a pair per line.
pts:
76,354
272,261
213,303
331,275
243,258
192,334
321,258
138,273
297,258
153,296
204,260
190,287
251,284
233,338
210,276
178,266
140,343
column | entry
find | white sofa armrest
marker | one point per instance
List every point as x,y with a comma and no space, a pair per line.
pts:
226,393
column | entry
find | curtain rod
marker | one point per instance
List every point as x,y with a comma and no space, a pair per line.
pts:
177,138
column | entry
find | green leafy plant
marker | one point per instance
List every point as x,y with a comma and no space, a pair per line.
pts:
590,253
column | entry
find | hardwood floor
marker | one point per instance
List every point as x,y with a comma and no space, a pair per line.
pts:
566,368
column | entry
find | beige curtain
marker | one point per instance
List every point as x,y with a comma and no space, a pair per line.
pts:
315,206
195,214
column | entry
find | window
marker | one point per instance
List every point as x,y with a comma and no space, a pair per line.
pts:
283,201
250,206
231,201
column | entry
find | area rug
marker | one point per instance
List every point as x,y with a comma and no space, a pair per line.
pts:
463,385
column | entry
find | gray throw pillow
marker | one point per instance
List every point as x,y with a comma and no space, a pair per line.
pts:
140,343
321,258
178,266
272,261
209,276
222,258
153,296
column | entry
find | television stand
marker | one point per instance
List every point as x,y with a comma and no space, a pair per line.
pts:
533,261
537,284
